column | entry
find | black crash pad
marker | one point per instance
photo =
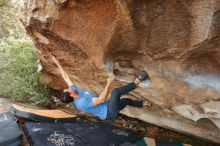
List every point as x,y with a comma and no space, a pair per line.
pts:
10,134
76,134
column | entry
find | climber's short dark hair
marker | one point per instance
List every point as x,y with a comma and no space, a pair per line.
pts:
66,98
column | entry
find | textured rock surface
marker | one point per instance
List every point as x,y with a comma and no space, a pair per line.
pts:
176,41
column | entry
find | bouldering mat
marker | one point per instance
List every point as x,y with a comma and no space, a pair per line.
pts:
10,134
49,116
77,134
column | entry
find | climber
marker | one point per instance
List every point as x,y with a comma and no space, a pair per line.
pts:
98,105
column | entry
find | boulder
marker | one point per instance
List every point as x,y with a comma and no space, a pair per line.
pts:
176,41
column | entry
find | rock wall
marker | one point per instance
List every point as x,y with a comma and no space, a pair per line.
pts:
176,41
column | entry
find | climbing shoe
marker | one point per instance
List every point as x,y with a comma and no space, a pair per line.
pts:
142,75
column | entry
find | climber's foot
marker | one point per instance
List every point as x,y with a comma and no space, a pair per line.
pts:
142,75
146,103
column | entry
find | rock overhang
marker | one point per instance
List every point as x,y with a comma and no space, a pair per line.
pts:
176,42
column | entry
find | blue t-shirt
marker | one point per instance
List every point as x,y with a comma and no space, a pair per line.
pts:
84,103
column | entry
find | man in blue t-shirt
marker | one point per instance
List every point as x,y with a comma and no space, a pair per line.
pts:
97,105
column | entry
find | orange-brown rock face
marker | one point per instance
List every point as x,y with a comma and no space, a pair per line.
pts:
176,41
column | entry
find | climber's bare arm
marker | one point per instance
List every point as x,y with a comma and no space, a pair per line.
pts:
104,94
62,71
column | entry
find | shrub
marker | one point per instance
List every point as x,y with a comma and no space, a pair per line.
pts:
19,78
4,2
10,24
